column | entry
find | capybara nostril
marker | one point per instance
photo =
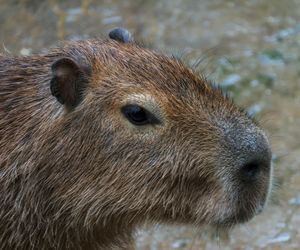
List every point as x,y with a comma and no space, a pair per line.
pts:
250,170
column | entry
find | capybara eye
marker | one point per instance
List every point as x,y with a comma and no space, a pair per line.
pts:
138,115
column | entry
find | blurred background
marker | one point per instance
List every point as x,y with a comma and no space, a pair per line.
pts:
251,48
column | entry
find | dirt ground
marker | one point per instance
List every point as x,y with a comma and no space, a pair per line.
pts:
251,48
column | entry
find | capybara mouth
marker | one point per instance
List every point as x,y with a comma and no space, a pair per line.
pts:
241,215
234,219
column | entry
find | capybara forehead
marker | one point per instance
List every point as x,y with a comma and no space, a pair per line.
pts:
150,69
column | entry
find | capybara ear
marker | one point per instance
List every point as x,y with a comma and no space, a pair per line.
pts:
68,82
121,35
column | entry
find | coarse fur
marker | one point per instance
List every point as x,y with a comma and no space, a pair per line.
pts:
84,177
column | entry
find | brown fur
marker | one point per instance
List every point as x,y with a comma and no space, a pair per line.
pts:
85,178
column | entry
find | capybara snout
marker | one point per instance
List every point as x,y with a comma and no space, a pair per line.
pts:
98,137
246,161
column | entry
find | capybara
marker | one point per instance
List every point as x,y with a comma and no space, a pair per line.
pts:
98,137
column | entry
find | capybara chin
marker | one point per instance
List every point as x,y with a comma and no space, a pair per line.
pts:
98,137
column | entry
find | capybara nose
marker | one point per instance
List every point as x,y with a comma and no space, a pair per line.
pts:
255,158
250,153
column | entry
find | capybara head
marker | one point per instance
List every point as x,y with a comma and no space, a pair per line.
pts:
129,135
